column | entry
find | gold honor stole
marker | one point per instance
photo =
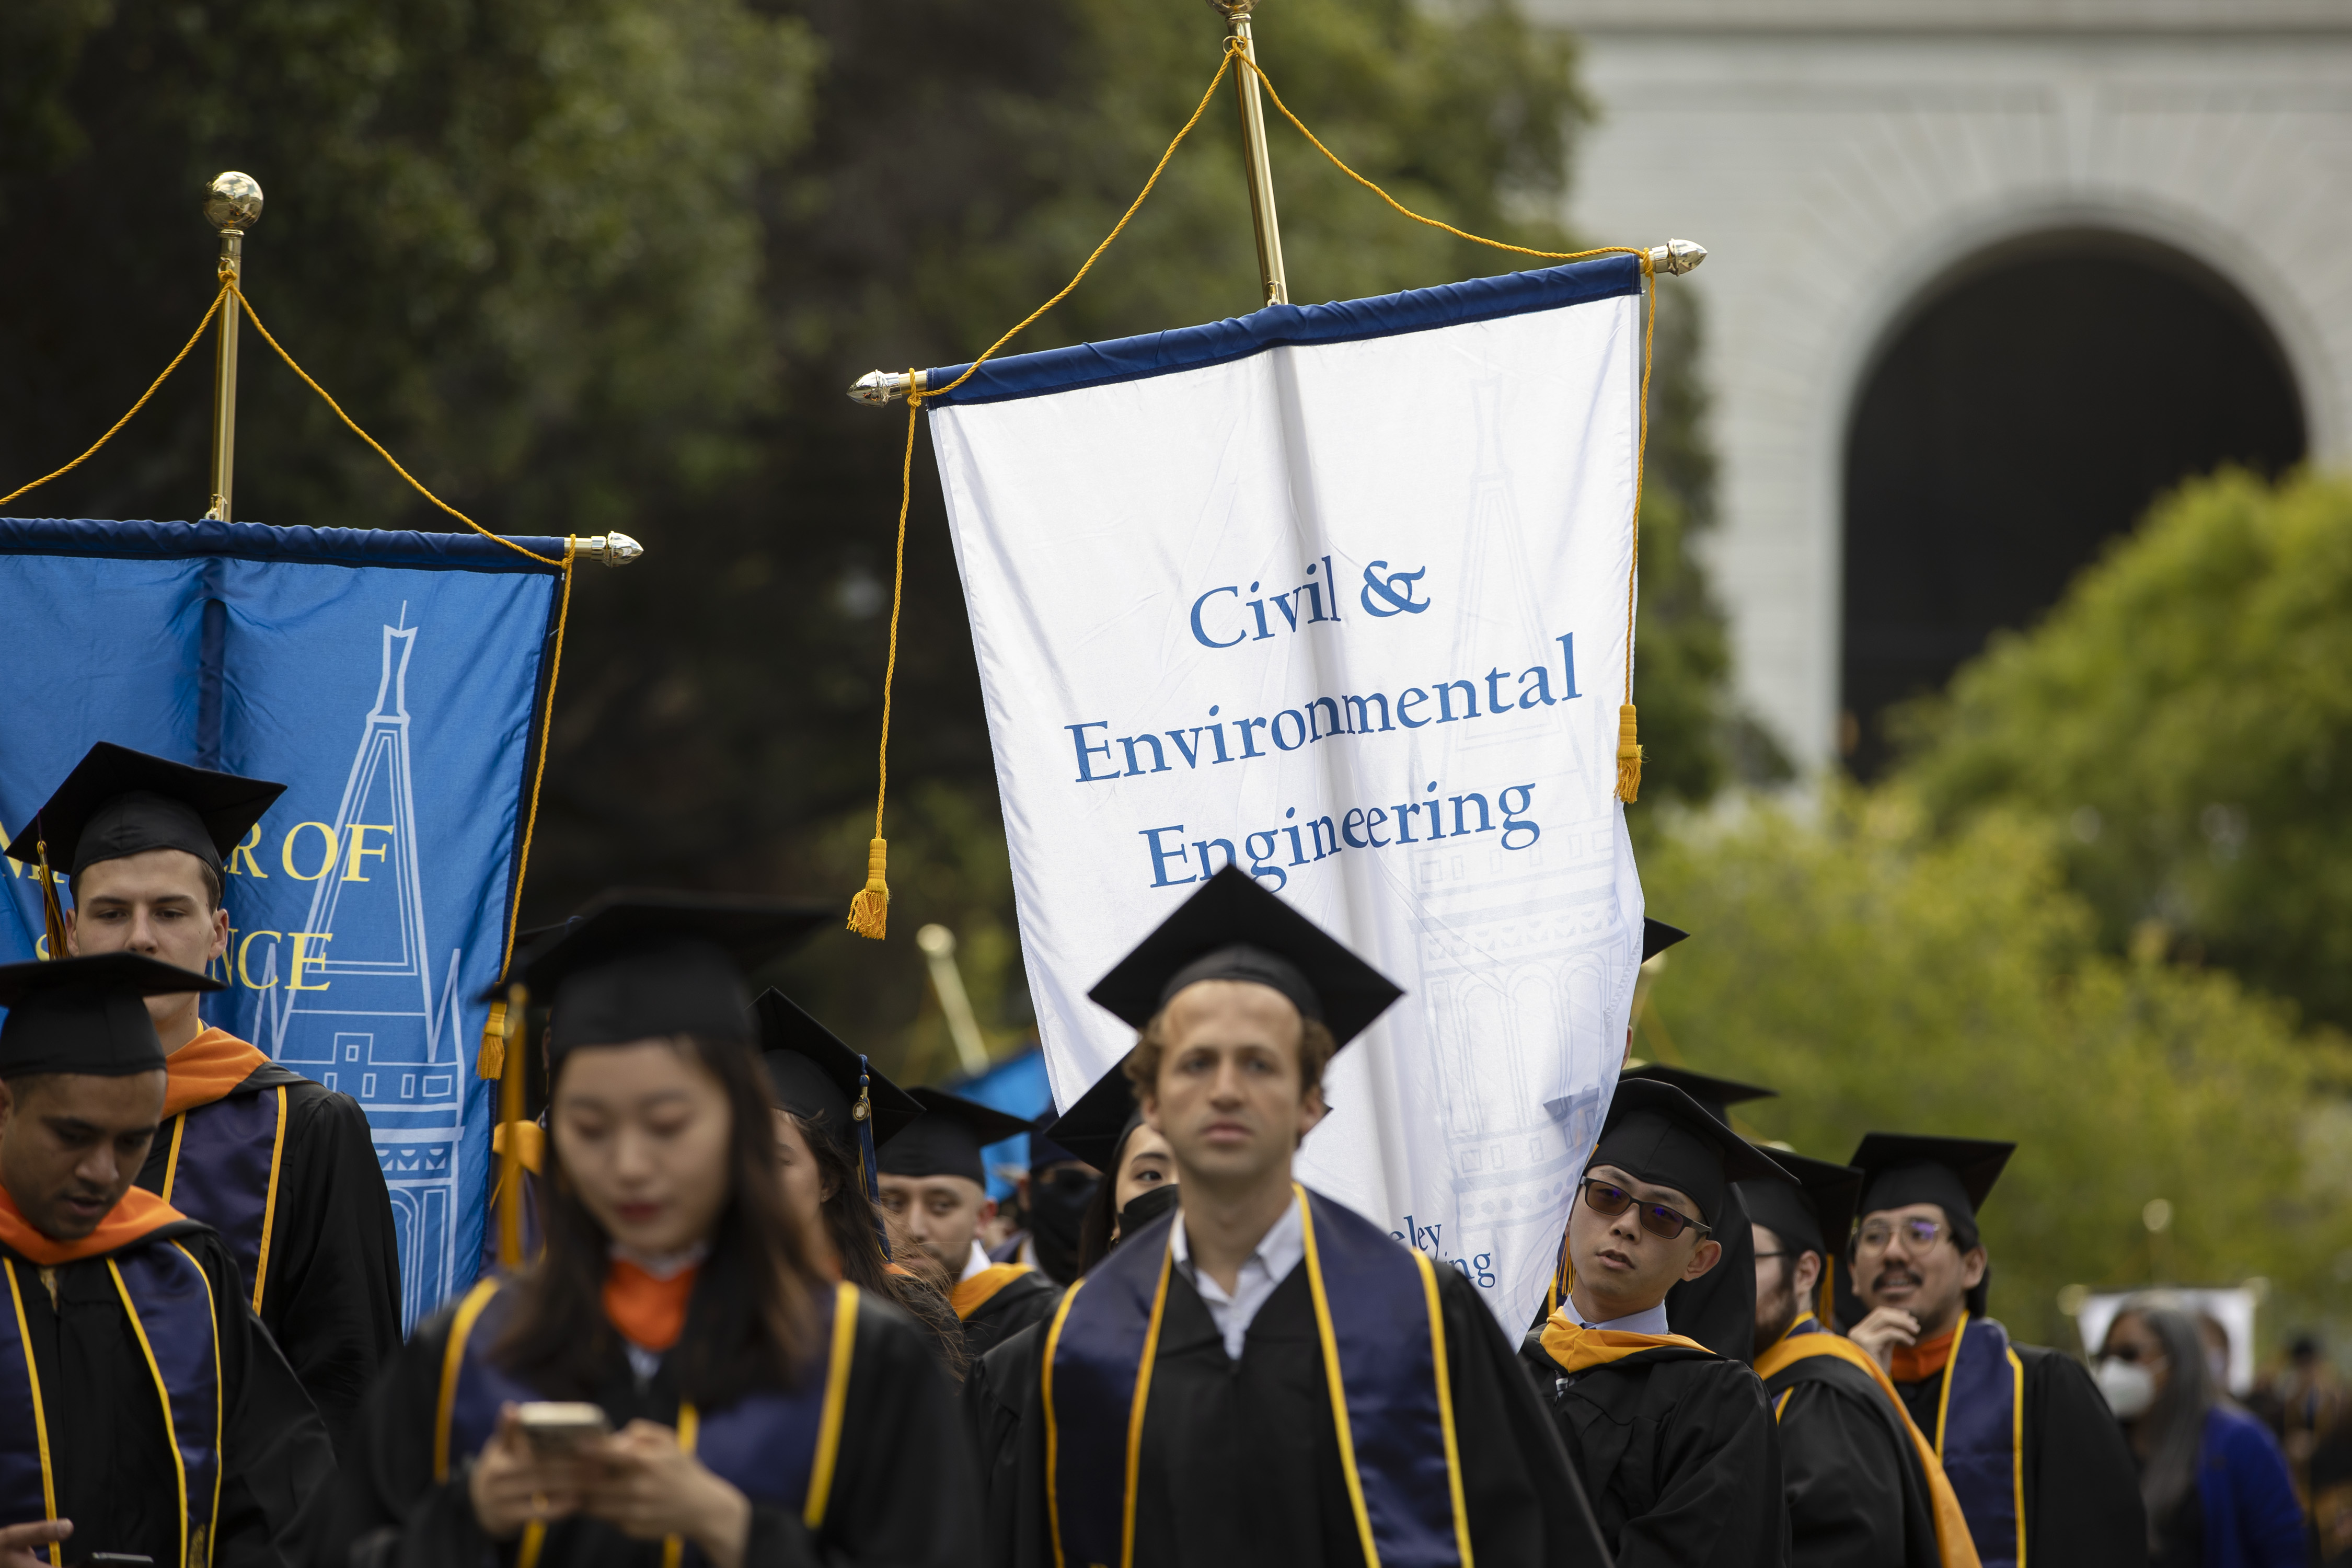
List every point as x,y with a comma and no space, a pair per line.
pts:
1806,1339
167,1299
777,1447
1382,1331
970,1295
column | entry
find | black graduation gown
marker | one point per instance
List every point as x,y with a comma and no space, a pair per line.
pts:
1240,1466
995,1393
1858,1497
113,1459
1678,1452
898,1421
1022,1301
331,1299
2081,1491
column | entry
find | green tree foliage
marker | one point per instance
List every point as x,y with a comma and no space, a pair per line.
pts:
611,263
2184,714
1886,976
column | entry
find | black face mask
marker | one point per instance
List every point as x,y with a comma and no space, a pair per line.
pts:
1145,1207
1056,1203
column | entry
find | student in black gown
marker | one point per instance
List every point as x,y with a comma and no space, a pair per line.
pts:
832,1110
245,1144
144,1410
1104,1129
934,1185
1218,1323
1864,1488
2063,1489
760,1412
1675,1442
1717,1309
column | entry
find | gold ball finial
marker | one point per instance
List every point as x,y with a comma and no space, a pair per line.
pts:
232,202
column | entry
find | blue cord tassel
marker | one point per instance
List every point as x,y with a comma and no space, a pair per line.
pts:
863,1114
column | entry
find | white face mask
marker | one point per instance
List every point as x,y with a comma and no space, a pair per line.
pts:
2129,1387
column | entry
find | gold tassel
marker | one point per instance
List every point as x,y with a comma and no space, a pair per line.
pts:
490,1061
1629,757
869,911
53,917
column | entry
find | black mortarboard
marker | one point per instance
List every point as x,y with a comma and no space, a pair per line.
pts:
1954,1173
639,966
1658,1134
815,1077
1718,1095
1814,1211
946,1142
118,801
1233,929
87,1015
1093,1128
1657,936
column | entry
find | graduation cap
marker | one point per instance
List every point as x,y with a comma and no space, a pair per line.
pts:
1811,1212
118,801
1658,1134
1043,1151
1718,1095
1232,929
1657,936
949,1138
637,965
1954,1173
814,1076
1093,1128
87,1015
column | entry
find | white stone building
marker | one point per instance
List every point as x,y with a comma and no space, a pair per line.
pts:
1854,166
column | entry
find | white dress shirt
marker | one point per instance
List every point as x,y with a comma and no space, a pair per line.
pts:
975,1262
1653,1321
1279,1251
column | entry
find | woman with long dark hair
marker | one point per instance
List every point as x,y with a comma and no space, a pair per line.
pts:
822,1094
678,1372
2216,1486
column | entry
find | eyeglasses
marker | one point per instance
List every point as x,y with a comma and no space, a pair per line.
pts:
1917,1232
1609,1200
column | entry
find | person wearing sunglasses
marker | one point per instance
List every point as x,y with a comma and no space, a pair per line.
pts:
1674,1443
2035,1459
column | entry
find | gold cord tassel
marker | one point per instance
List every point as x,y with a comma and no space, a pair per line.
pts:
1629,757
490,1061
869,911
53,916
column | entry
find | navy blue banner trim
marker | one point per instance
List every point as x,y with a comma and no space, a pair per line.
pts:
261,542
1238,337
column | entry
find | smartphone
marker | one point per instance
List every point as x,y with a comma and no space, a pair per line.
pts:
556,1427
115,1559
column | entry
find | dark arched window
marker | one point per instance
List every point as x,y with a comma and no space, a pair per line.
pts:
2026,411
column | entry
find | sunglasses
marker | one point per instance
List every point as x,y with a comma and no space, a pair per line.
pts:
1608,1199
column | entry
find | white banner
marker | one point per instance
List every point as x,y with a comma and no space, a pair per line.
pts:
1337,593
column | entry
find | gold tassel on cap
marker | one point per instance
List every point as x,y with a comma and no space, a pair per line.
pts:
53,915
1629,757
869,911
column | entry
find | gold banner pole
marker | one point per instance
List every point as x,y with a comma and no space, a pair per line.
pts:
510,1110
1272,284
232,205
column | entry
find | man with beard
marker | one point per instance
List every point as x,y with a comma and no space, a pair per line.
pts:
2031,1448
1676,1444
933,1182
1865,1489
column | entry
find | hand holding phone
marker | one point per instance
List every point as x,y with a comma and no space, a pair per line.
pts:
558,1428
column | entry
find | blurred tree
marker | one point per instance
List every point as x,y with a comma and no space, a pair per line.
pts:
1884,976
611,263
2183,716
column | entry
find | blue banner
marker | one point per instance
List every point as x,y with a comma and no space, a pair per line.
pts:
394,681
